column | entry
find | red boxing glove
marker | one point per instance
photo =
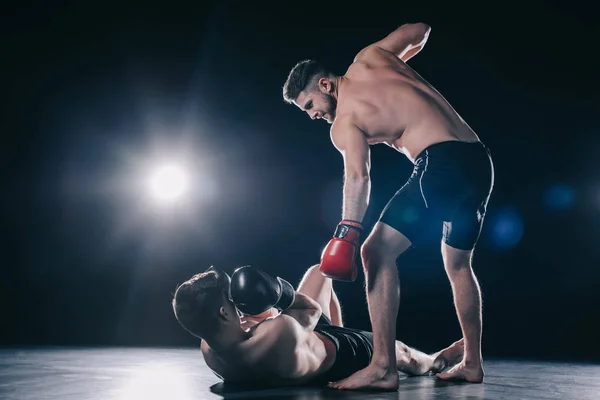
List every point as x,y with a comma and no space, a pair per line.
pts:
338,260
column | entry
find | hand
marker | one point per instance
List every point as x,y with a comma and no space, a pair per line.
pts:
254,291
338,260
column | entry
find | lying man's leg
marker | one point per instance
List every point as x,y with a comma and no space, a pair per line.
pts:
414,362
335,309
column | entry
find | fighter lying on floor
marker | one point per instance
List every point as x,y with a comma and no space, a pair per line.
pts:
256,329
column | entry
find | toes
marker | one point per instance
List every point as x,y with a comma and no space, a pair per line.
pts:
444,375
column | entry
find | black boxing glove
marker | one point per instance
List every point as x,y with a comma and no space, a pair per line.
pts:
254,291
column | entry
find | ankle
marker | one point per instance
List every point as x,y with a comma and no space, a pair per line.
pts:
383,363
473,362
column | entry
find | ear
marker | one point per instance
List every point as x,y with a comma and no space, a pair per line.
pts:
223,314
325,85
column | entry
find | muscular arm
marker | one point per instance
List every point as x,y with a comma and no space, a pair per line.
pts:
352,144
249,321
405,42
304,310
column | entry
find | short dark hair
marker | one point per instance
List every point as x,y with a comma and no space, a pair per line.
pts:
303,74
196,303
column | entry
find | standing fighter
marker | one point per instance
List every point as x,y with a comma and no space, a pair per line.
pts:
380,99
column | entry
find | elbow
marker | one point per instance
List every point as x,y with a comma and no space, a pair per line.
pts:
427,32
423,30
314,317
419,32
420,27
424,27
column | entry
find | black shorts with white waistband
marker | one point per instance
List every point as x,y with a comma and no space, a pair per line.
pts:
451,183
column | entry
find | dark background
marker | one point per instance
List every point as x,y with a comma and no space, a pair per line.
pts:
94,94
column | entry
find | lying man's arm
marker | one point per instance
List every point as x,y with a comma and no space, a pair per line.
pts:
249,321
304,310
254,292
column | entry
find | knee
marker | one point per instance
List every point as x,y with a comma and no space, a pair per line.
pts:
374,253
457,268
456,260
402,353
312,273
314,269
368,252
383,246
457,265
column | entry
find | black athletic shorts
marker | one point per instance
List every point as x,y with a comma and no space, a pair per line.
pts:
451,184
354,350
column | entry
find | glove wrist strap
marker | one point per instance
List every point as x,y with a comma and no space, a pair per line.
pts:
348,231
352,223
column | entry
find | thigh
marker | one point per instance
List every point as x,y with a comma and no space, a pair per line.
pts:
318,287
459,186
463,229
410,214
463,224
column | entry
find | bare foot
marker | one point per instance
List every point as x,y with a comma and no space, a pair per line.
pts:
464,372
449,356
370,378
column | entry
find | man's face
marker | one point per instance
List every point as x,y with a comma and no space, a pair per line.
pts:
234,316
317,104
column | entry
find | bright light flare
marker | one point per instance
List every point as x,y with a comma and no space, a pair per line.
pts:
168,183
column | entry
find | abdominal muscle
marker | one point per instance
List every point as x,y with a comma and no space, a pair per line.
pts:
320,353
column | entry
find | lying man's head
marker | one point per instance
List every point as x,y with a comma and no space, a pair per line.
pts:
202,304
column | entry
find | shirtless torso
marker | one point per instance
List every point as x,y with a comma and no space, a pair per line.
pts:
279,351
392,104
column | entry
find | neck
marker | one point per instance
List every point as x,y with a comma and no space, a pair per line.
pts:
336,86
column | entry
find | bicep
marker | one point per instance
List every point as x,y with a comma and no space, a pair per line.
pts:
352,144
306,318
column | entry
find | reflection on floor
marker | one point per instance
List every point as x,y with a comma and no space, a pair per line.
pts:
180,374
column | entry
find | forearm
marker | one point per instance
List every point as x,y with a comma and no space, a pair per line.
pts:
407,55
271,312
419,33
305,310
303,302
357,191
248,321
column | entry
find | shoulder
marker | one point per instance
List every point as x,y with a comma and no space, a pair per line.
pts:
204,348
341,128
271,336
